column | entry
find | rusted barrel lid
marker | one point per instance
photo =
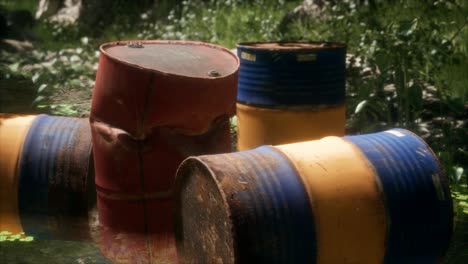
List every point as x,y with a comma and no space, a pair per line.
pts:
185,59
180,84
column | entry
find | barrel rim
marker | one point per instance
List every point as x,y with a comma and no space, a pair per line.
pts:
104,46
310,45
293,108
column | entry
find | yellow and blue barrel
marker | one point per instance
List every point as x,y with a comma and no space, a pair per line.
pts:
377,198
290,92
48,180
13,130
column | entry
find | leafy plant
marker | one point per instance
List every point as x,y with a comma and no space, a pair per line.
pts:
8,236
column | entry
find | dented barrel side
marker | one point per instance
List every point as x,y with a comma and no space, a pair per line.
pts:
155,103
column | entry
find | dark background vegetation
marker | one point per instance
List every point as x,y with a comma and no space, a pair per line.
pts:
407,63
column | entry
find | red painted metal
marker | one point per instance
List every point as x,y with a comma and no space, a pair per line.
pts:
154,104
128,77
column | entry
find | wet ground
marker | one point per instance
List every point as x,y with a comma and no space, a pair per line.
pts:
50,252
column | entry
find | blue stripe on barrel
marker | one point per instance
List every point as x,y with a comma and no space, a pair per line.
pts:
416,194
285,74
280,221
53,174
265,210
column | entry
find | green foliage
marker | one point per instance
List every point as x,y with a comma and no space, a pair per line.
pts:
409,68
457,252
8,236
29,5
222,22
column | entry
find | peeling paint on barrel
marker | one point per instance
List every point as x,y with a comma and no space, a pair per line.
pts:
359,199
290,92
54,188
154,104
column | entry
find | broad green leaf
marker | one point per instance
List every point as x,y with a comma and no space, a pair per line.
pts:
42,106
75,82
42,88
38,99
14,67
360,106
35,77
28,238
458,173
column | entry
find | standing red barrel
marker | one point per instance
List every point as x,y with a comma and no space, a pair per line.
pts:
154,104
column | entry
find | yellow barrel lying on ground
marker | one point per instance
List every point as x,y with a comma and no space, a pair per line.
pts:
376,198
46,176
13,130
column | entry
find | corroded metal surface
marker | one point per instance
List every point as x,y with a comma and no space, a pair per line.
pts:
273,74
55,178
245,207
290,92
416,193
176,58
377,198
137,97
154,104
51,186
347,203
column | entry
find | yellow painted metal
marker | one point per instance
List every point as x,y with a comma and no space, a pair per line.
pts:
13,130
258,126
346,200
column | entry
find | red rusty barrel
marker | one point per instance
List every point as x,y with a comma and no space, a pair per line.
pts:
154,104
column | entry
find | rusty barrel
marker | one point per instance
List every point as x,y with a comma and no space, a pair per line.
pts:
47,176
154,104
376,198
290,92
